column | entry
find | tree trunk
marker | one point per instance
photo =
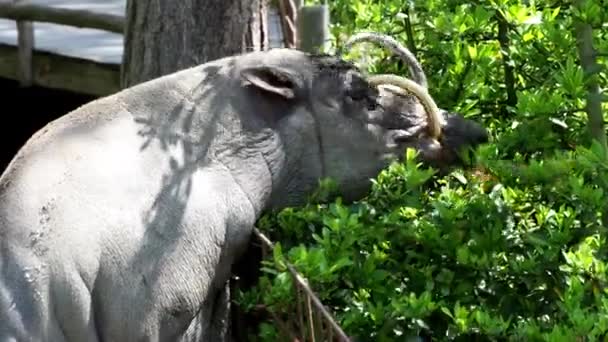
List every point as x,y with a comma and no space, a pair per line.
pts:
165,36
162,37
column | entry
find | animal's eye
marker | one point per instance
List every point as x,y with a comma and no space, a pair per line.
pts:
357,95
362,95
372,104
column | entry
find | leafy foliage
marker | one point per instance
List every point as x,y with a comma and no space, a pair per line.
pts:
514,248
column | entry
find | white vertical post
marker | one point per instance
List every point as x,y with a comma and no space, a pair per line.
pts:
313,28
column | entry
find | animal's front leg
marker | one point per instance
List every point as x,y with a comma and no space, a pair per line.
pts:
212,322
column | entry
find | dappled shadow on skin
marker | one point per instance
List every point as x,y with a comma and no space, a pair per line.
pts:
190,132
176,127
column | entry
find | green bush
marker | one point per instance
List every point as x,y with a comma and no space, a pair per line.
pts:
510,251
513,249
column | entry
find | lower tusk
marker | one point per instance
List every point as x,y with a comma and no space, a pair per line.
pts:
407,85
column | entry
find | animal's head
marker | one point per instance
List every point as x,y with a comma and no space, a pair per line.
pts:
328,121
438,135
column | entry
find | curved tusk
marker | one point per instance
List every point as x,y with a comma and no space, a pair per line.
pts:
432,111
392,44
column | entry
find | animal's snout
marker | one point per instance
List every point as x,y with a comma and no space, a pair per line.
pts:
479,134
458,136
459,131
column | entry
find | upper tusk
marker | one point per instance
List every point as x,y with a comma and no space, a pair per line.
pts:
414,66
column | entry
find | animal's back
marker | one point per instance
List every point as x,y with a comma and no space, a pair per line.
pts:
42,246
68,194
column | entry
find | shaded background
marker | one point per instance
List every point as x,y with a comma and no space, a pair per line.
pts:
32,108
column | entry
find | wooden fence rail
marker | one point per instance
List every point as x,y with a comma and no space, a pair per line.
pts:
32,67
70,17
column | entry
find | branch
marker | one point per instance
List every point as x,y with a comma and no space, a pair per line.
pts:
77,18
461,84
593,107
411,43
601,54
503,39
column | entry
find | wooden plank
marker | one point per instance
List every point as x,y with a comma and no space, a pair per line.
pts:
25,43
63,16
61,72
97,45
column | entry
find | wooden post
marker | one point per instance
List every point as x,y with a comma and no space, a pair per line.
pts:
313,28
25,43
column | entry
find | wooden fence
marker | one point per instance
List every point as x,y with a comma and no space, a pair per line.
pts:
23,11
306,28
31,67
311,321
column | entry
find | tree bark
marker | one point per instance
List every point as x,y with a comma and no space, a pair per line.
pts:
162,37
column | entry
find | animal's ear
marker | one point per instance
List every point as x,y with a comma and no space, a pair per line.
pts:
271,79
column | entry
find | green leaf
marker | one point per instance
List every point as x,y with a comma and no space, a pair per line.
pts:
472,51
